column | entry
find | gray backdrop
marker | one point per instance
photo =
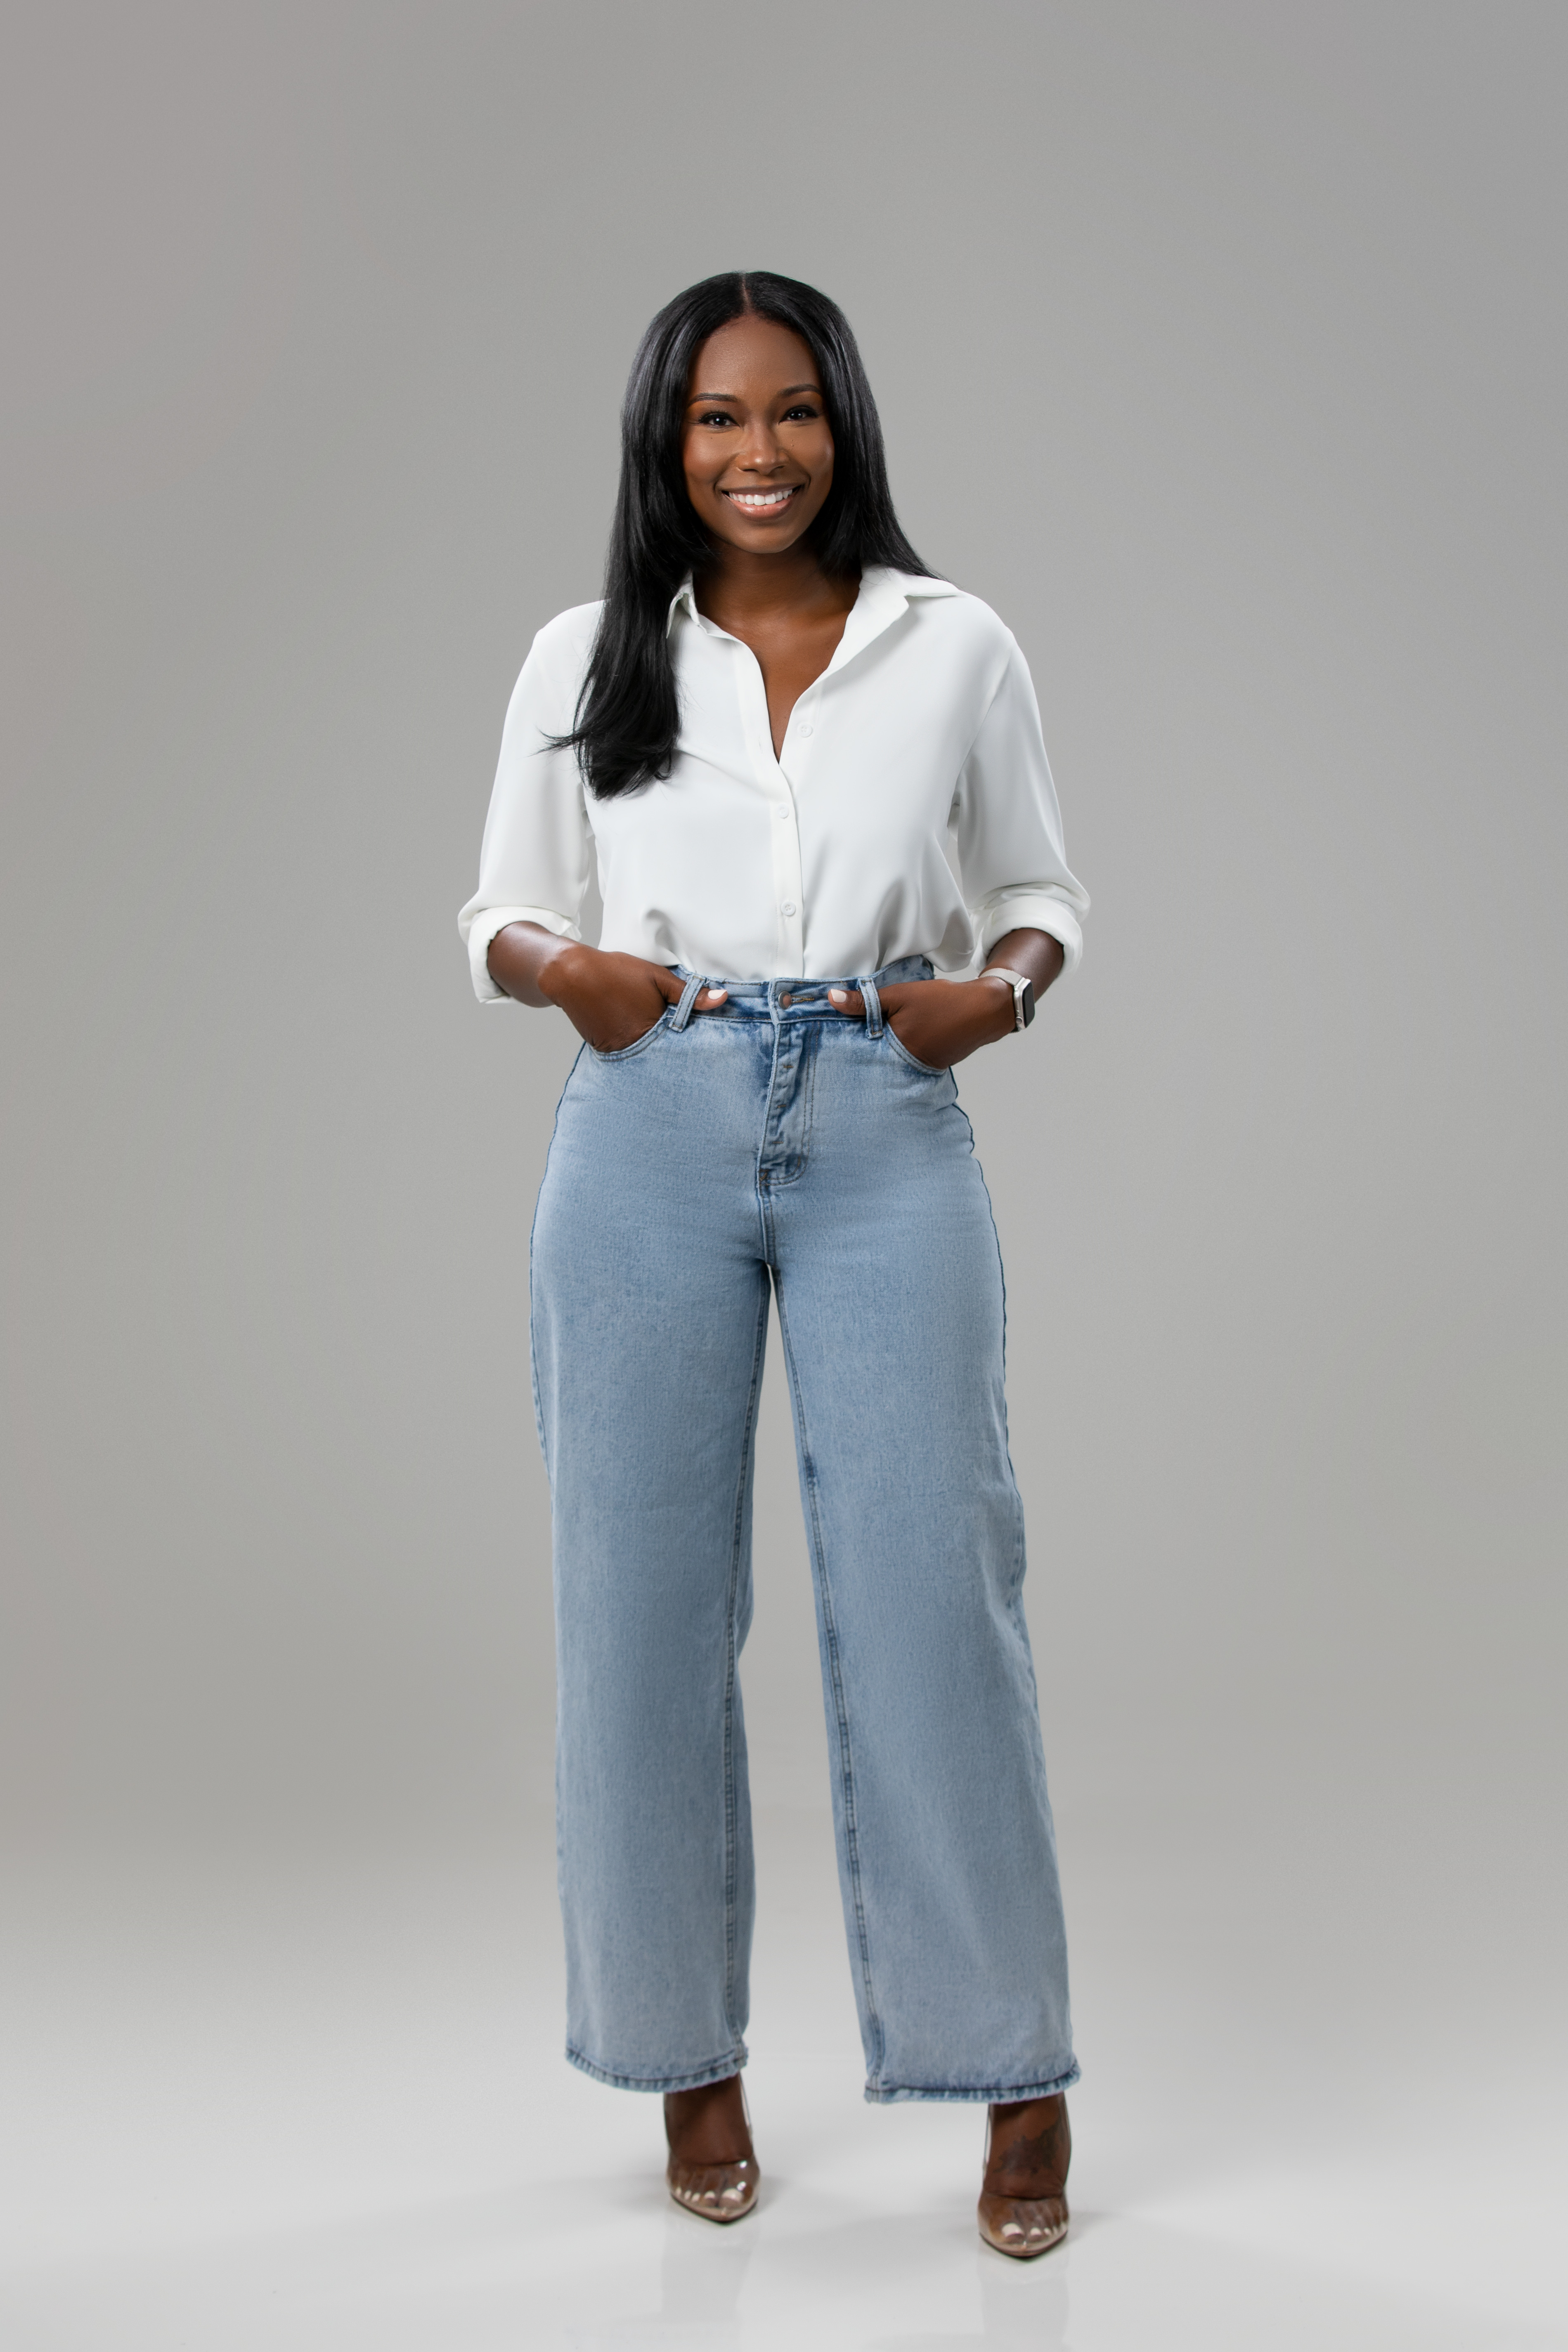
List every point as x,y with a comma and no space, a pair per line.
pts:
1220,348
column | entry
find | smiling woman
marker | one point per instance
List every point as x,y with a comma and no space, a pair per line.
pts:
777,450
811,775
759,468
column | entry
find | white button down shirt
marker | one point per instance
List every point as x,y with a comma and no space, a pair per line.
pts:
910,812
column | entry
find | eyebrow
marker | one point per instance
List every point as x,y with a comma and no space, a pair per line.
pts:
733,398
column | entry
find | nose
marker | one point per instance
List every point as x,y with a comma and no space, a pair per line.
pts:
760,452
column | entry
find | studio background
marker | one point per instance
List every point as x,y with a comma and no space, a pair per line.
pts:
1221,350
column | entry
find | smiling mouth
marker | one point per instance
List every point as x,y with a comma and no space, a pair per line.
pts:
761,502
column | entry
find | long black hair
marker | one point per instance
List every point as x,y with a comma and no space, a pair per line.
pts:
627,718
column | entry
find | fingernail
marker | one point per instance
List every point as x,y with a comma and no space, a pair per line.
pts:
839,995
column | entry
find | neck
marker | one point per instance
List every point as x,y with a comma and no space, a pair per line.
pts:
749,586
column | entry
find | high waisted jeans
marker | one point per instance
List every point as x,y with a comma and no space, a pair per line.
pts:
780,1145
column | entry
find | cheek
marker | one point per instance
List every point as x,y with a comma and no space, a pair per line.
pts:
698,477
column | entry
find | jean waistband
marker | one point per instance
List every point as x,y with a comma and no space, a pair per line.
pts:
774,999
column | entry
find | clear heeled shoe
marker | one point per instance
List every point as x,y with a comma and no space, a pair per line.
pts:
1022,2226
719,2192
1026,2226
724,2191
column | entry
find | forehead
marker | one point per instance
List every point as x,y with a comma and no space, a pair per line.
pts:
751,353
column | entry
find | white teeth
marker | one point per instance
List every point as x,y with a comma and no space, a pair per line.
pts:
760,498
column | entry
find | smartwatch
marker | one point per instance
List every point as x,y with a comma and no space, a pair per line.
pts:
1023,992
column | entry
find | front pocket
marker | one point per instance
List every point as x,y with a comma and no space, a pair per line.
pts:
624,1053
904,1055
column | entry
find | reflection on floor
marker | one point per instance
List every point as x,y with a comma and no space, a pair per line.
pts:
325,2111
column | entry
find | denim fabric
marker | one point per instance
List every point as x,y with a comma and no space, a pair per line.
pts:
780,1148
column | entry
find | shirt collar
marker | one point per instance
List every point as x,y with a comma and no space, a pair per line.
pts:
685,594
883,596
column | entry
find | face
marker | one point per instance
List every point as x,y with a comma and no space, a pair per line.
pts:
757,451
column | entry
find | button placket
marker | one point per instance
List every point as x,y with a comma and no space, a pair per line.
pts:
757,729
802,719
787,882
788,892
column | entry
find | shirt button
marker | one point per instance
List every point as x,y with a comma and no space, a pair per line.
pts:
785,814
788,907
804,730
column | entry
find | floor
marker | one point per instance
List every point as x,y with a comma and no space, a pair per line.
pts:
323,2109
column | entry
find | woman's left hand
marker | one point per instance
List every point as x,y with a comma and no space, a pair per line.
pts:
941,1022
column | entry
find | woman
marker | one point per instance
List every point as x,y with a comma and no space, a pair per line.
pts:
812,776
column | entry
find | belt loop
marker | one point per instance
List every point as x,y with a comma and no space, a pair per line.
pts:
688,999
873,1004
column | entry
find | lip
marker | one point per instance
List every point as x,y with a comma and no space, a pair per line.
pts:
776,500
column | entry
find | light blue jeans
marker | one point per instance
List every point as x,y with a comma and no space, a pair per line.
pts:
779,1146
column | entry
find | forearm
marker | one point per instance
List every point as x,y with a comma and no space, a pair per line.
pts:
612,999
1036,954
941,1022
519,956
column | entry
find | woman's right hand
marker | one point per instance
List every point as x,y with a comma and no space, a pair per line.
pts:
614,999
610,1000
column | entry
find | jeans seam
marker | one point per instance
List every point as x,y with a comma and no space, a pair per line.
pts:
1020,1541
731,1669
902,1054
845,1763
532,1236
730,2063
624,1053
999,2094
794,1164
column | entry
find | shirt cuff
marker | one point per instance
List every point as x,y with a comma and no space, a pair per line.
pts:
1032,910
482,930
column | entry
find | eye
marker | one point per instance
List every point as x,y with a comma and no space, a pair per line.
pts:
718,417
803,412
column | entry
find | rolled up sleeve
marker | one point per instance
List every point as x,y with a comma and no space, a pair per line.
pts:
1008,826
534,863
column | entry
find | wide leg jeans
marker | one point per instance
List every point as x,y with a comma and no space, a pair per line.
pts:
779,1148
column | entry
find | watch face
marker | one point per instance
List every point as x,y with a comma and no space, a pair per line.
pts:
1027,1002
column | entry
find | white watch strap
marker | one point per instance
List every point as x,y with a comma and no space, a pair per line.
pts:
1016,981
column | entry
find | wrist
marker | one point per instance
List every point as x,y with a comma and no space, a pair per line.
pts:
562,968
1018,988
1001,1018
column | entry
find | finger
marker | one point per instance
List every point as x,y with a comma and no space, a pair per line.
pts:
673,987
847,1000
